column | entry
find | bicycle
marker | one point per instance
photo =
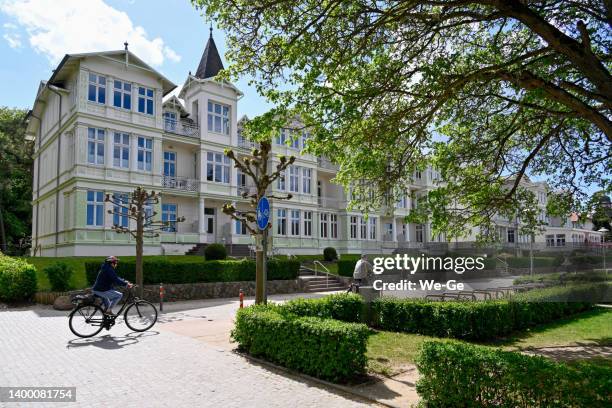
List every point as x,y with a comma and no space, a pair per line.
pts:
139,314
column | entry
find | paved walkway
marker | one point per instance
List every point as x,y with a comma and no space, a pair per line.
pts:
180,363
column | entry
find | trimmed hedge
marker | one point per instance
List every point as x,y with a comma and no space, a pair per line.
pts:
330,254
565,277
198,271
215,252
324,348
59,275
485,319
348,307
17,279
346,267
456,374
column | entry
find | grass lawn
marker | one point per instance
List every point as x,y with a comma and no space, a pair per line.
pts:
388,352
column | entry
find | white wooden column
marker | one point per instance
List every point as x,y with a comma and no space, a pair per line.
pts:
394,229
202,220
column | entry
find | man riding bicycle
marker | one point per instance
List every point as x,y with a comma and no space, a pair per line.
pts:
107,278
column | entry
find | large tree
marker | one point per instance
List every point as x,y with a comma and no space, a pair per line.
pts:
486,91
15,182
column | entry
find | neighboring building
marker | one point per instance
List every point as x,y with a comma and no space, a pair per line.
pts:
106,122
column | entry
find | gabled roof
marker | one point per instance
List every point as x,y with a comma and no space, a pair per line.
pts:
59,74
210,63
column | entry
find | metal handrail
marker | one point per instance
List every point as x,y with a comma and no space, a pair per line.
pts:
325,269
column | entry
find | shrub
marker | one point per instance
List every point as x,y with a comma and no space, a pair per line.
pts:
348,307
59,275
167,271
565,277
324,348
346,267
538,261
215,252
485,319
451,375
330,254
17,279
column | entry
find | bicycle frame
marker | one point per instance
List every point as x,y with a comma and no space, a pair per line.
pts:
131,299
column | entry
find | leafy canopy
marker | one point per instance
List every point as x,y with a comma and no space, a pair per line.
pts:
486,91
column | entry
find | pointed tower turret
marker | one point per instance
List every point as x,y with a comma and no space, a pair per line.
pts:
211,63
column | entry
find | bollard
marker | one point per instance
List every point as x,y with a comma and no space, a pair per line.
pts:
161,297
241,298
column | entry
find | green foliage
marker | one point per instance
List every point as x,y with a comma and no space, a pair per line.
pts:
484,319
586,261
330,254
346,267
454,374
17,279
167,271
215,252
347,307
564,277
324,348
538,261
59,275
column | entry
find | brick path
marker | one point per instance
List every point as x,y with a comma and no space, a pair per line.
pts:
152,369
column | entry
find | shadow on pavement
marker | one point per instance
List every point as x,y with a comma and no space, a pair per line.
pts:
110,342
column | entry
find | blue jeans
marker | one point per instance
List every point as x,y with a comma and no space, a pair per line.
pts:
110,297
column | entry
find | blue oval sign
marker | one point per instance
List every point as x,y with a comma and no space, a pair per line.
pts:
263,213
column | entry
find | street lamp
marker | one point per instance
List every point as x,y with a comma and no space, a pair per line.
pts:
604,231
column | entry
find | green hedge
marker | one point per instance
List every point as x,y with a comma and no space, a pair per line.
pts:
198,271
484,319
538,261
456,374
565,277
348,307
324,348
17,279
59,275
346,267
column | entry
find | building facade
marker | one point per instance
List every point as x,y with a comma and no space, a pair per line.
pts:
107,122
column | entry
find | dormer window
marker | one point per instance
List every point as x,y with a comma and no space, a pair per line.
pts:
218,118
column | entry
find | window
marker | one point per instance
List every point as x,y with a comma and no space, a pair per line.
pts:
305,137
120,209
148,212
372,228
363,228
306,180
333,218
145,100
417,175
218,118
295,222
122,94
217,168
240,179
280,182
95,146
295,139
560,239
145,153
281,138
170,121
403,202
419,233
308,223
121,150
323,218
353,227
510,235
95,208
550,240
294,179
169,216
389,230
97,88
170,164
281,225
240,227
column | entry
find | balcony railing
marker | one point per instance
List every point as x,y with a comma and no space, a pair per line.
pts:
249,190
181,127
247,144
180,183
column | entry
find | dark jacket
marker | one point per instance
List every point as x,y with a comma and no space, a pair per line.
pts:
107,278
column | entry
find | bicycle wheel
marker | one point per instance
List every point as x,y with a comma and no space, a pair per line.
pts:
140,315
86,320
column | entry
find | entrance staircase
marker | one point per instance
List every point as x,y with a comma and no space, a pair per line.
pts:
315,280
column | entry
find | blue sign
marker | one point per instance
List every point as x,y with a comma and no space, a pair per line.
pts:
263,213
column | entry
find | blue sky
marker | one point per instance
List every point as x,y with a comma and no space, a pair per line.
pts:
170,35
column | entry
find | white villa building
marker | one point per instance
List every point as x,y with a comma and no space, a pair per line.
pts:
105,122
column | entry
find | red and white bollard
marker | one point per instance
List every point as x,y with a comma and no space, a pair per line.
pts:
161,297
241,298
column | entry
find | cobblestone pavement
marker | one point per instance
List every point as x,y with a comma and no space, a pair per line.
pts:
158,368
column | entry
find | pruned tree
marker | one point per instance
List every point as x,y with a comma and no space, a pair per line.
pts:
256,168
138,206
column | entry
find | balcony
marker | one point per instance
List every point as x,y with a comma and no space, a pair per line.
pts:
181,127
247,144
250,190
180,183
326,164
333,203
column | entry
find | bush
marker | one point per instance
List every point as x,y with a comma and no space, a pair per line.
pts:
167,271
451,375
17,279
346,267
486,319
538,261
215,252
564,277
330,254
348,307
59,275
324,348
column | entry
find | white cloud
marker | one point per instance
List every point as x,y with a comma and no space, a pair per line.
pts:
58,27
13,39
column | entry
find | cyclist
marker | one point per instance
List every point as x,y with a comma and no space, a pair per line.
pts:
107,278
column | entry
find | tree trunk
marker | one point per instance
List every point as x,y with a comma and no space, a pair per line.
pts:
139,250
259,270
